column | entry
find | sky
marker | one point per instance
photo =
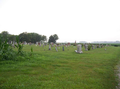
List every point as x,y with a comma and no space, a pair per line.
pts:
71,20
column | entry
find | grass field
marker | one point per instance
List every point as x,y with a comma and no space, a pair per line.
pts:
48,69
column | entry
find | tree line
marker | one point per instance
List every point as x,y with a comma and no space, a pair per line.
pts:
29,37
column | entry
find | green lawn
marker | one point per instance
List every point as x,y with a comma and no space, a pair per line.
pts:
48,69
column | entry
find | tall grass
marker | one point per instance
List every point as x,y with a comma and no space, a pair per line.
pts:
49,69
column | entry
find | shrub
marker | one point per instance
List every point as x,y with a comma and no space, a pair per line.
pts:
19,46
89,47
97,46
6,52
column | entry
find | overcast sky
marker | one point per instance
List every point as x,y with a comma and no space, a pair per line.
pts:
80,20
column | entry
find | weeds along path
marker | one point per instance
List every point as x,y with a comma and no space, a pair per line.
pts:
117,71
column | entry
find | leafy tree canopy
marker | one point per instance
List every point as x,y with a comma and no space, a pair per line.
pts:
53,38
28,37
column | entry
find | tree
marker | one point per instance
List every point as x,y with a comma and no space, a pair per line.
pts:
28,37
31,37
12,37
24,37
53,38
35,37
44,38
5,34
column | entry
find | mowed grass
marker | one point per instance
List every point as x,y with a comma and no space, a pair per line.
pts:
48,69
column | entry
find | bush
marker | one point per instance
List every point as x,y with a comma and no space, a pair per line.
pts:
89,47
6,52
97,46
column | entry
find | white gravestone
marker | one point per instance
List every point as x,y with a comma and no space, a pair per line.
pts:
36,43
79,49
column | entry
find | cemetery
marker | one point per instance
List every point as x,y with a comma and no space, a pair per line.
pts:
43,65
59,44
57,67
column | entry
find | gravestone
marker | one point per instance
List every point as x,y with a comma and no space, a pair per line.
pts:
63,48
36,43
79,49
95,46
102,46
56,49
105,49
39,43
30,43
52,44
13,45
99,46
86,47
49,47
106,45
10,42
68,44
25,43
92,46
43,44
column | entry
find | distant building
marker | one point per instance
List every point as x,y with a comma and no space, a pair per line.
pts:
82,42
